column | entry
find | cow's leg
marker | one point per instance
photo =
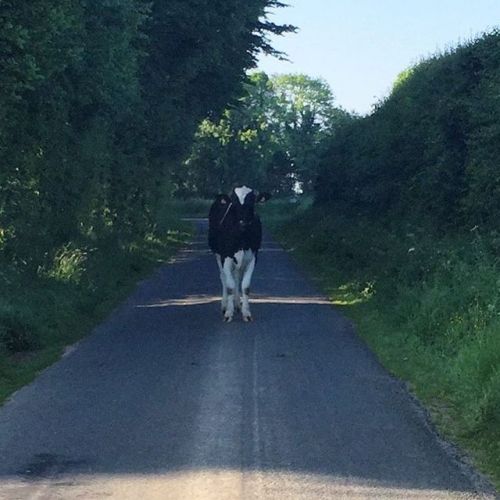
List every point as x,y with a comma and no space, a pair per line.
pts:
237,288
228,269
223,281
238,270
245,286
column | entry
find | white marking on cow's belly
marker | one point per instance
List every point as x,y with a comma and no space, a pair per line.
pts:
243,258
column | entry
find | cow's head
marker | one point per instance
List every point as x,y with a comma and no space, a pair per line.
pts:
244,199
241,204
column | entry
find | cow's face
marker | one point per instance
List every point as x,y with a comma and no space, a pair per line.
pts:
243,200
239,208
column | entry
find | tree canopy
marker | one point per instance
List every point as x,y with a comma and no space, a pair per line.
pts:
99,102
272,137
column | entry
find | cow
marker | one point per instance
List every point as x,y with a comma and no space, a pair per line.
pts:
235,236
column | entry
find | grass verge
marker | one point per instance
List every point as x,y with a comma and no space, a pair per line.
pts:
42,312
428,305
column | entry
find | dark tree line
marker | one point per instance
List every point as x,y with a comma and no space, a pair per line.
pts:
99,102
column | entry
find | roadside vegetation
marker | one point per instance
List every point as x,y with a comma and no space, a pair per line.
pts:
44,312
99,104
427,304
403,234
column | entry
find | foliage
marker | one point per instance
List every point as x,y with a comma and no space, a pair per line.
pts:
98,105
272,138
305,117
41,315
430,149
406,208
18,330
99,102
426,303
69,264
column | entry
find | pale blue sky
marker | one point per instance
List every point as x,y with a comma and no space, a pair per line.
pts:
360,46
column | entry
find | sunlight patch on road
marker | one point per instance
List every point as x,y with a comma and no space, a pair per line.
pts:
216,484
191,300
196,300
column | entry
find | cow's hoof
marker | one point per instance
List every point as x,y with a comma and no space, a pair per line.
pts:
227,319
247,319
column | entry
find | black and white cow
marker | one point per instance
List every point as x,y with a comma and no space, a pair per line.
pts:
235,236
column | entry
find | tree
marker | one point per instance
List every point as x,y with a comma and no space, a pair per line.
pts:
271,138
99,103
305,115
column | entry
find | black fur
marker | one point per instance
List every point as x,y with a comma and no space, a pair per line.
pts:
233,226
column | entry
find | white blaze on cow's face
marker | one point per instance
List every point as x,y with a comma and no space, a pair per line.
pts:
244,203
241,193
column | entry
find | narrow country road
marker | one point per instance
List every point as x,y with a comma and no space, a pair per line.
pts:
165,401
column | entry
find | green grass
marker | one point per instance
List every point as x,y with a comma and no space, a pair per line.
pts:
42,312
427,304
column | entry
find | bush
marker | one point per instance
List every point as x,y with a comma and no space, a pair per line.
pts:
69,264
430,149
17,330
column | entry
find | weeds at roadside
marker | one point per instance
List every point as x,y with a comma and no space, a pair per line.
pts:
428,305
42,312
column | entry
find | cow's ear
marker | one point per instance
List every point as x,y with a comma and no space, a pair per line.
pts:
263,197
223,199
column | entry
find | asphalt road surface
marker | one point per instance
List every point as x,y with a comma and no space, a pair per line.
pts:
165,401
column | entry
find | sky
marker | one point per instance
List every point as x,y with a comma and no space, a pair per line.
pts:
360,46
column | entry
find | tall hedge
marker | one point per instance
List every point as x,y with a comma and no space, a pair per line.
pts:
99,101
431,148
